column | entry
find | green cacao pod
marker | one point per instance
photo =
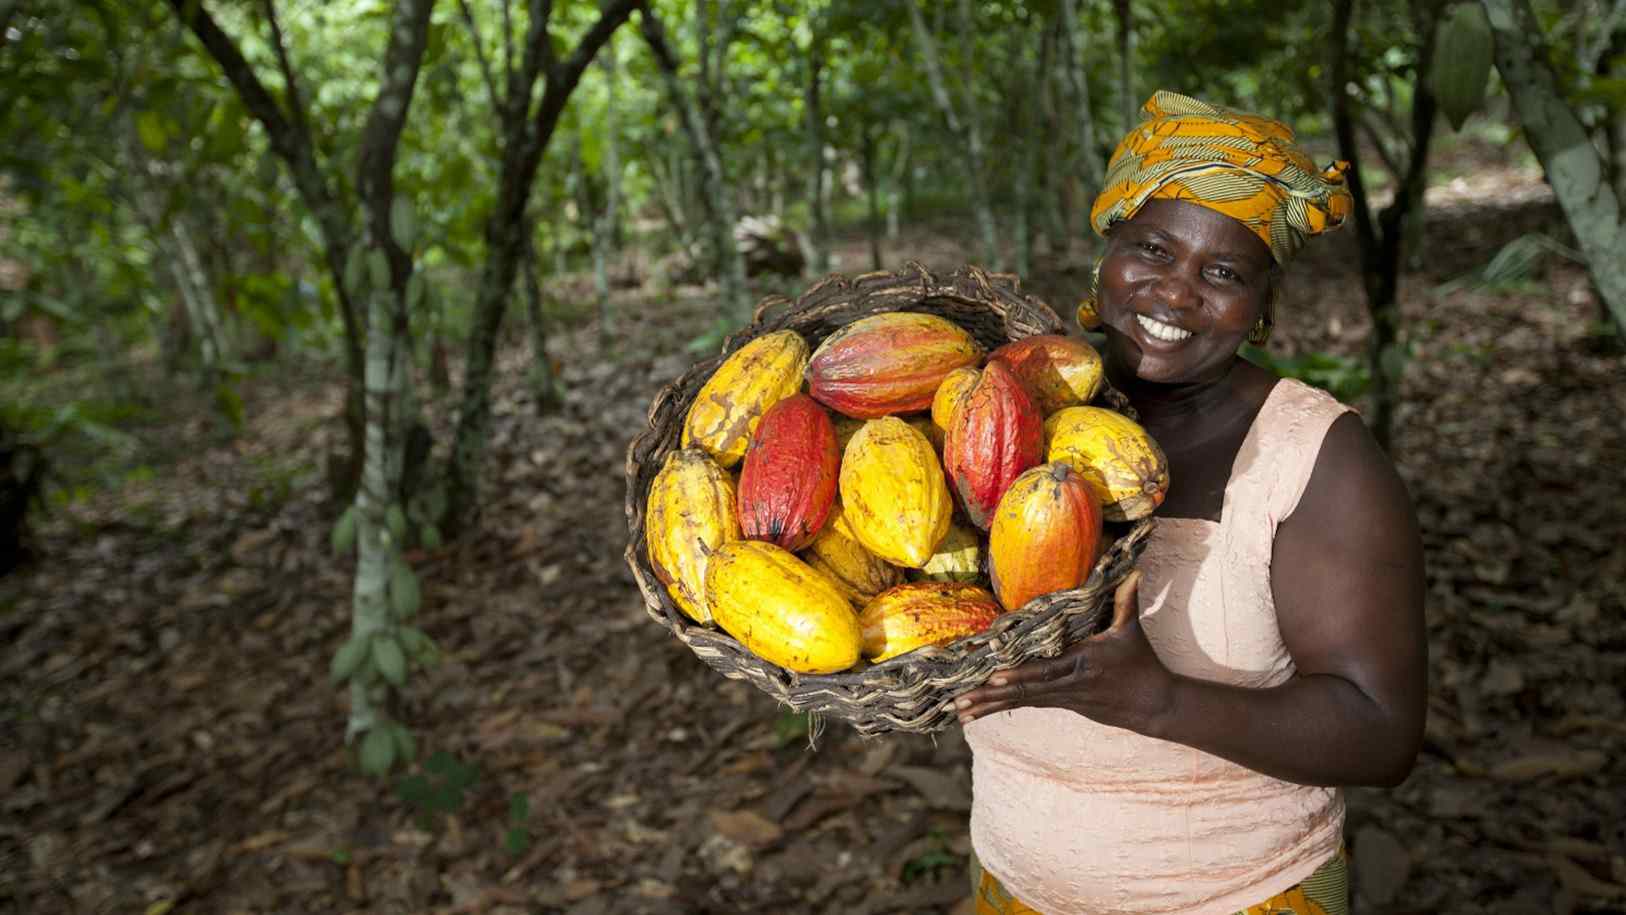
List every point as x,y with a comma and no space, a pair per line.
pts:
1464,51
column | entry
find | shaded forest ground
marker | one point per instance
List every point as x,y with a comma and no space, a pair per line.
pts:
168,740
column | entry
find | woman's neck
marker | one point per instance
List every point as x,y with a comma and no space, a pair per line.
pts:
1163,405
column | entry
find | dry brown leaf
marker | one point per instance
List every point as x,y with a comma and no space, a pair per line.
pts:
747,827
1563,764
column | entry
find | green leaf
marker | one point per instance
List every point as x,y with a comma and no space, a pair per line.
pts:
377,750
417,644
519,807
416,292
150,128
347,660
378,268
403,222
344,532
405,746
405,595
429,535
395,518
230,403
355,271
389,658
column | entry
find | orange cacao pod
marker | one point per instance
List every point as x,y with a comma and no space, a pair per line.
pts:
888,363
995,435
1044,535
1058,371
789,479
921,613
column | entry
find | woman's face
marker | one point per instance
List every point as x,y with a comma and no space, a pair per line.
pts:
1180,287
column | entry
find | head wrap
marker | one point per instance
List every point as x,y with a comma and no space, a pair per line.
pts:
1242,165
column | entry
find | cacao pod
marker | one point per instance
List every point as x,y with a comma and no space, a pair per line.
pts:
995,435
1464,52
893,494
823,568
1044,535
958,557
788,482
923,613
951,394
781,609
837,548
1058,371
888,363
690,514
1114,454
729,405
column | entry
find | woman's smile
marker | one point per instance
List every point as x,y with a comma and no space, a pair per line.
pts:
1162,330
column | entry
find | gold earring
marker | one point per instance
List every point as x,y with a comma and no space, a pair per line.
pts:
1089,317
1260,332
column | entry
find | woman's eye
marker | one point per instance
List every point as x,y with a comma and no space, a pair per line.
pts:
1226,274
1151,247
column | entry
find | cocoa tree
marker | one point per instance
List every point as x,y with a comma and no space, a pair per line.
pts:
1578,175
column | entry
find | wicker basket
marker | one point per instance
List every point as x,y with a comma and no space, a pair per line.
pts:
909,692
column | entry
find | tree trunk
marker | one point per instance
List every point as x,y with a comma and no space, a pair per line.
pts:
819,236
525,137
1571,162
197,293
899,178
1086,160
1382,240
720,193
545,391
1126,63
873,192
967,131
604,227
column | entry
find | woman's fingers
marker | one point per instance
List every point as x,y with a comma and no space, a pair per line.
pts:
1125,601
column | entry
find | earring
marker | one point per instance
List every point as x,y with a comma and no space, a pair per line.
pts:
1089,316
1260,332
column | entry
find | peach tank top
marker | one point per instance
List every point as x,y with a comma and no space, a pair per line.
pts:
1078,817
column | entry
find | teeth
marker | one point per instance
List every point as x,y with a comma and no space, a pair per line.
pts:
1162,331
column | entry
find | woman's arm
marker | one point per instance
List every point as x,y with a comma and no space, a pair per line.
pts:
1347,576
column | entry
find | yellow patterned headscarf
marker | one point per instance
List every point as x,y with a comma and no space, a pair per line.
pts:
1242,165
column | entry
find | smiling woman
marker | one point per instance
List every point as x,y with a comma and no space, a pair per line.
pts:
1270,648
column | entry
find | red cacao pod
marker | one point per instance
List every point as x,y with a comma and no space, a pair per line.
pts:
1058,371
788,482
994,436
888,363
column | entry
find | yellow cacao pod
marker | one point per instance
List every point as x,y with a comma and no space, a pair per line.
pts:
691,512
951,395
781,609
729,405
893,492
923,613
837,548
1115,456
958,557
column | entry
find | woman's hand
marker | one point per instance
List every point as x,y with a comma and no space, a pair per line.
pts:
1114,678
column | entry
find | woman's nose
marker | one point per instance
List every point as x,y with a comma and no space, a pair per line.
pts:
1176,291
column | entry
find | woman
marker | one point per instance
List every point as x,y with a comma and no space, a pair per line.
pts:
1188,760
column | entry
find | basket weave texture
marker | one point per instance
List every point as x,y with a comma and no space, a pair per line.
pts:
909,692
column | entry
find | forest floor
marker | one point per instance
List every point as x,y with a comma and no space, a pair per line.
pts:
169,741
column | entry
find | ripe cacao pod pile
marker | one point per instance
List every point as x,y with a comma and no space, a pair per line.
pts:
893,487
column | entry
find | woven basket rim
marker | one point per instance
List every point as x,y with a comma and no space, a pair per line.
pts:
946,670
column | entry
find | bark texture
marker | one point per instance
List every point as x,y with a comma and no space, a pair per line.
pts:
1577,174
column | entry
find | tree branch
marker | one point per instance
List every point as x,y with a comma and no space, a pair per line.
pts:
296,105
480,54
409,36
1344,123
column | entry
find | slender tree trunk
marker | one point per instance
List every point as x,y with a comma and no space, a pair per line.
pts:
1572,164
819,237
1382,239
604,231
718,190
1127,101
1085,161
966,131
545,392
203,309
895,186
525,136
873,192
